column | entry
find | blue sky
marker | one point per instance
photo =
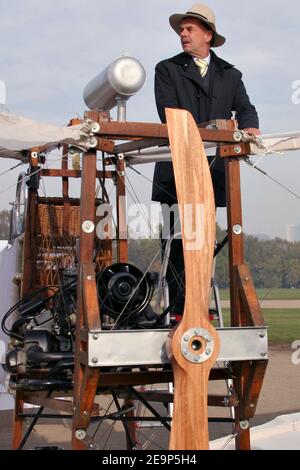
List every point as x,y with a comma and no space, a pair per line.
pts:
49,51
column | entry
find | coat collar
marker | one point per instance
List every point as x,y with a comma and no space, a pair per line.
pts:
189,67
186,60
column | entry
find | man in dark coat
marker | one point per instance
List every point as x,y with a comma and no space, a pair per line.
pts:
209,88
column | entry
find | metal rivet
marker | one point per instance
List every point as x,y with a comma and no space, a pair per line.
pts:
263,354
237,136
93,142
88,226
186,338
185,352
89,278
262,335
80,434
244,424
95,127
197,332
208,352
95,337
237,229
94,360
237,149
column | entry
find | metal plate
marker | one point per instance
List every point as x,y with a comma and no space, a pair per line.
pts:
135,348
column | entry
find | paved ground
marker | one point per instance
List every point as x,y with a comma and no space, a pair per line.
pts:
270,303
280,395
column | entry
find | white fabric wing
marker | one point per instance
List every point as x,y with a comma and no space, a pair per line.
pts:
18,133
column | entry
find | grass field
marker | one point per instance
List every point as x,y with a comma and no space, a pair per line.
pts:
283,324
269,294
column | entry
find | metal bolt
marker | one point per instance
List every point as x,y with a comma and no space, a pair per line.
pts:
247,279
197,359
88,226
94,360
207,339
89,278
197,332
85,413
95,127
237,149
244,424
262,335
263,354
237,136
237,229
208,352
95,337
94,446
93,142
186,338
80,434
185,352
251,405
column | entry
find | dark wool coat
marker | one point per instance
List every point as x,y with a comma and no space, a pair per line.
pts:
178,84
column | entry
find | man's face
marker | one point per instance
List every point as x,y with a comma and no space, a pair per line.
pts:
195,38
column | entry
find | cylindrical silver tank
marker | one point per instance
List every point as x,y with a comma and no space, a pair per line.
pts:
123,78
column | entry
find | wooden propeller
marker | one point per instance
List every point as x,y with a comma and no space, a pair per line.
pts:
195,343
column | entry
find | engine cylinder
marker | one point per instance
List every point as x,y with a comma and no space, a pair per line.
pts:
123,78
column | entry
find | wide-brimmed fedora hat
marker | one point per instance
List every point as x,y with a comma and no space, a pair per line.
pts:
202,13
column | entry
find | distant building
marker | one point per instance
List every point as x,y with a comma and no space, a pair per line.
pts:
2,93
3,108
293,233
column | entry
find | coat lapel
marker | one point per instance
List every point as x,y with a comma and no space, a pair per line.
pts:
216,90
191,72
217,78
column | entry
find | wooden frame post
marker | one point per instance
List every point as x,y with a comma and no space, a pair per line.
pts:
85,378
245,308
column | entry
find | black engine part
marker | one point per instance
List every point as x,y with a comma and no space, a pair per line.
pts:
125,293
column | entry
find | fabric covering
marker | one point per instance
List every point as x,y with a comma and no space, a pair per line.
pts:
268,144
18,133
276,143
10,265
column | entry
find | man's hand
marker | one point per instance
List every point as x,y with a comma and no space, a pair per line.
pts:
252,130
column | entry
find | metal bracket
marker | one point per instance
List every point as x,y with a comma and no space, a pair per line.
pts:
148,347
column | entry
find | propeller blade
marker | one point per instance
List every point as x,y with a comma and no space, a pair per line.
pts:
195,343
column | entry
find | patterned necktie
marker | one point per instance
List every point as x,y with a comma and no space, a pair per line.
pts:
202,66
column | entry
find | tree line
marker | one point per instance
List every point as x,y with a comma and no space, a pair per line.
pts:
4,224
273,263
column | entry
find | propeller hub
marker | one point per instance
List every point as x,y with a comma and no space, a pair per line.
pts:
197,345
